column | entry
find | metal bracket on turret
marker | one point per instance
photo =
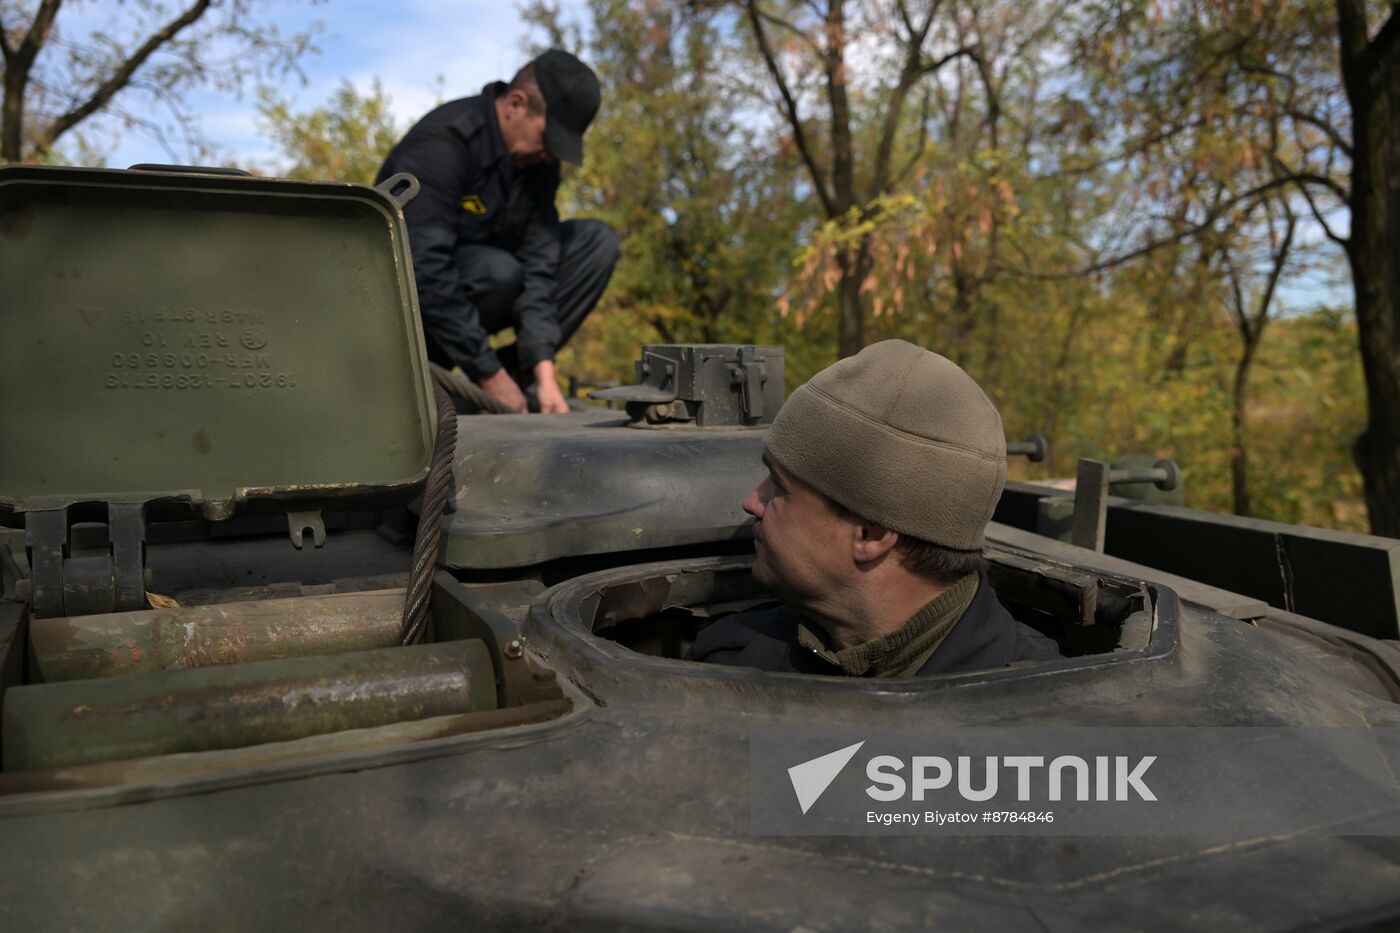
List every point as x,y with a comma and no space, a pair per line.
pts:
703,385
1091,487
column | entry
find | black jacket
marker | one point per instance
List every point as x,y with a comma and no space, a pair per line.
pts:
985,637
473,195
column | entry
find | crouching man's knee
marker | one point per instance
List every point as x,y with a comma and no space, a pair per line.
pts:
596,243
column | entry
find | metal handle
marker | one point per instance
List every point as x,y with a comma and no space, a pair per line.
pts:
1091,487
1035,448
1164,474
399,188
188,169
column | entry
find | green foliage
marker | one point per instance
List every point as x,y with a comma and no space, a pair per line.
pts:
344,140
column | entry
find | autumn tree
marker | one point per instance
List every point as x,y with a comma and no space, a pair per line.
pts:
66,66
1252,282
345,139
1305,96
706,204
814,57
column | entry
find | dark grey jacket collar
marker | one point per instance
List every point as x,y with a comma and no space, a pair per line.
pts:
986,637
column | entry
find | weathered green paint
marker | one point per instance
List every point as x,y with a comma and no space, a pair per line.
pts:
229,706
310,749
224,339
529,491
200,636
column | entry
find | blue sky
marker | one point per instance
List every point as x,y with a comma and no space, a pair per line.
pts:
420,50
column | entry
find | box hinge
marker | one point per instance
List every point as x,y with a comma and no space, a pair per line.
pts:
86,567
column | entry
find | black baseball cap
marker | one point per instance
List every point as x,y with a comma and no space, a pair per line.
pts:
571,97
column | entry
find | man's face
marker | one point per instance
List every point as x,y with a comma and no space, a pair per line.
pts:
523,131
802,549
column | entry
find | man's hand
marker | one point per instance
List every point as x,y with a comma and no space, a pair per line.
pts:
505,391
547,389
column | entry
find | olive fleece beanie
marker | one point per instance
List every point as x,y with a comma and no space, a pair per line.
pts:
900,436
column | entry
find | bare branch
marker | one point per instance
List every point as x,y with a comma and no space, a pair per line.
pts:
1128,150
28,49
1214,213
1280,260
1312,178
789,108
903,9
1317,122
993,100
1343,242
122,76
930,67
781,23
919,148
1237,302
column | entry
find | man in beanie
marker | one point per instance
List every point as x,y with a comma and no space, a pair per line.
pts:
488,249
883,472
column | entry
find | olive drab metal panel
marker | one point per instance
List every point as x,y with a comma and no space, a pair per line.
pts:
206,337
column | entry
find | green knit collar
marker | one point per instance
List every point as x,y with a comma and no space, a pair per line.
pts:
902,652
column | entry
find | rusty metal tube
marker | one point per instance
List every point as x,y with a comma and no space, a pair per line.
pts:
232,706
199,636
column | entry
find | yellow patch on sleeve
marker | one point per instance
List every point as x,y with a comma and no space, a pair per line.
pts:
472,204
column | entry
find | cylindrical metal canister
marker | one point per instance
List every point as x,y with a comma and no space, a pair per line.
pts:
230,706
199,636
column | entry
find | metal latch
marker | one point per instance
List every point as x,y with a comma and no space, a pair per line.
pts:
298,523
749,375
88,567
656,383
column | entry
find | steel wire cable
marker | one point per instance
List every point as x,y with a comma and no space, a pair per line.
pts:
430,518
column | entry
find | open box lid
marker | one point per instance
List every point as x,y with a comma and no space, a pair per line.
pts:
237,343
219,338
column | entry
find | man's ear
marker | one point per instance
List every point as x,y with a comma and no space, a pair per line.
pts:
872,542
517,98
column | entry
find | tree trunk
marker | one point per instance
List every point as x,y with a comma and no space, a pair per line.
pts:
853,261
855,266
1378,449
1239,453
12,115
1373,89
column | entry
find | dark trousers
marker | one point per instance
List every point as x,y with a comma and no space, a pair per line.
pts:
588,251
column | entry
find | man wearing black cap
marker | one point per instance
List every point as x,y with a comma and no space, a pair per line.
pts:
489,251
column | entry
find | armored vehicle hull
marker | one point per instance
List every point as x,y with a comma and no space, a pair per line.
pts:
632,810
206,724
